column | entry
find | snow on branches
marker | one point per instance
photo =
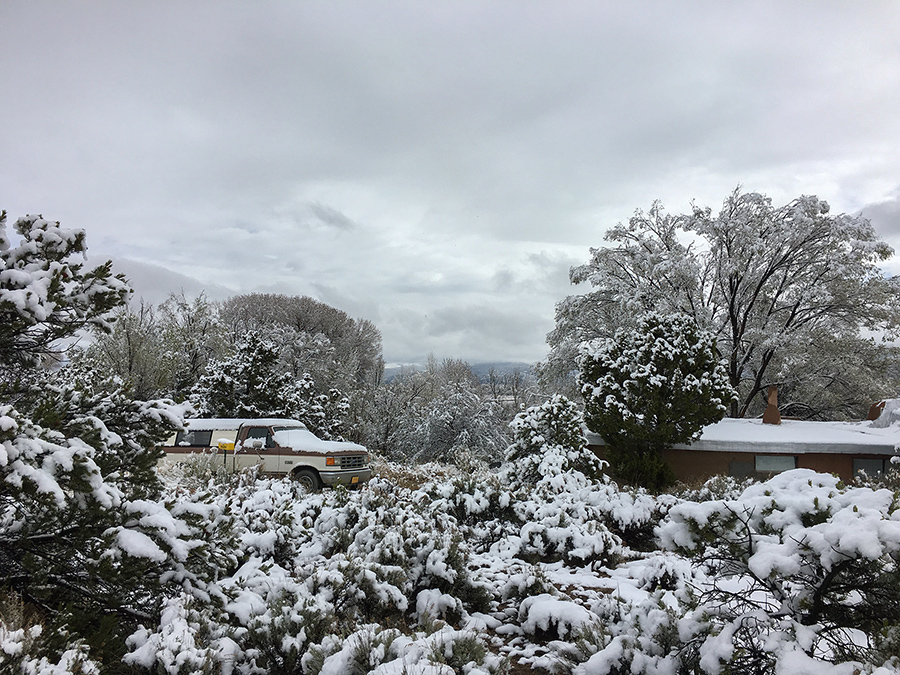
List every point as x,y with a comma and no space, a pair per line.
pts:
788,291
44,294
652,386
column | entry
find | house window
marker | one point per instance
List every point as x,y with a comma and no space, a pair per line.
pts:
193,438
872,467
775,463
740,468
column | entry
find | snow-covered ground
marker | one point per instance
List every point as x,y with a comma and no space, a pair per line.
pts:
467,574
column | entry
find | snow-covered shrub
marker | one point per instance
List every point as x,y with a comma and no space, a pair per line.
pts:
465,654
717,487
549,442
376,651
195,471
547,617
650,387
474,499
361,652
27,647
180,647
797,562
890,479
643,637
530,581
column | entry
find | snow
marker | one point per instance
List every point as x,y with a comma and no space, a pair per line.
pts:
232,424
468,570
384,553
139,545
800,432
303,440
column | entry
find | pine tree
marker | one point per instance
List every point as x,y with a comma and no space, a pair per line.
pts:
649,388
548,442
82,538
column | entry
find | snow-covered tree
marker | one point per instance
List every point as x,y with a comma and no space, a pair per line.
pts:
548,442
131,351
776,286
337,350
800,563
252,383
83,539
437,414
191,335
246,384
45,294
651,387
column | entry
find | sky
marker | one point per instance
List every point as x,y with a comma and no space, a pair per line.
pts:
434,167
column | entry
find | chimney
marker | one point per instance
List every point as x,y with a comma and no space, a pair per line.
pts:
771,414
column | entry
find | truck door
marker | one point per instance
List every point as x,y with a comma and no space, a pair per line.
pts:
262,437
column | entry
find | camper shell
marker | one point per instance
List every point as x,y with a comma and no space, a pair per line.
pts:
278,446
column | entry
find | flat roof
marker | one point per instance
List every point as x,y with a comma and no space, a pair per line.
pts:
227,424
791,437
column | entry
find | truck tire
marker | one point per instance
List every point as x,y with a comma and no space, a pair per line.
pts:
308,478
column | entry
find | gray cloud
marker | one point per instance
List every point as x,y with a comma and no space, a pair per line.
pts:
422,163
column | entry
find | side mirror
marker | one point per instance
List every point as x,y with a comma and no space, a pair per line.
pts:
256,444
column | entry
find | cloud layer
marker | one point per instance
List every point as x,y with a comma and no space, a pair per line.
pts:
434,167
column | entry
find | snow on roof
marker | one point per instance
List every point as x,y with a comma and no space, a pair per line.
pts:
793,437
223,423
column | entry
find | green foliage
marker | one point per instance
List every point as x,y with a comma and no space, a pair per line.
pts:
253,383
811,556
548,442
44,295
247,384
649,388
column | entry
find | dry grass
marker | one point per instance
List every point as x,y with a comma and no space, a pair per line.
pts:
412,477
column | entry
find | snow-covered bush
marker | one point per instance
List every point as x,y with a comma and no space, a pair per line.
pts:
437,415
650,387
548,442
798,562
45,295
27,647
717,487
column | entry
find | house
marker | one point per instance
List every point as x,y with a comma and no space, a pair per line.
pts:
751,447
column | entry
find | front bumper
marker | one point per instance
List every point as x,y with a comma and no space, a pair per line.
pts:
354,477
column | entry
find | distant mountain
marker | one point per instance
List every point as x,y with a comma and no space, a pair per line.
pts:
154,284
482,370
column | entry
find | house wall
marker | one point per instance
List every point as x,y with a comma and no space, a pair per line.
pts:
697,465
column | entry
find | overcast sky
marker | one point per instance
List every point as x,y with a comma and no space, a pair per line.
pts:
435,167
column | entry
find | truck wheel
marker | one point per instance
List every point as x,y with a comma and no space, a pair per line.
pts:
308,478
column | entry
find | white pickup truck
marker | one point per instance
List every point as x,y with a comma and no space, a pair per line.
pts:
279,446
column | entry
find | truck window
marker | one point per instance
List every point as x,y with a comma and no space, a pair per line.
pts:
259,432
193,438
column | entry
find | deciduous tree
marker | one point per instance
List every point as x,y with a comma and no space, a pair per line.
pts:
775,285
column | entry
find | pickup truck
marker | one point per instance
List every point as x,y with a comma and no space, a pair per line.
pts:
279,446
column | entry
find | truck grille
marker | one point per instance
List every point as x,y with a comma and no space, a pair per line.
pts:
353,462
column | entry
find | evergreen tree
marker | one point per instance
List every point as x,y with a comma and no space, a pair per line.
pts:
549,442
649,388
251,383
246,384
83,539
